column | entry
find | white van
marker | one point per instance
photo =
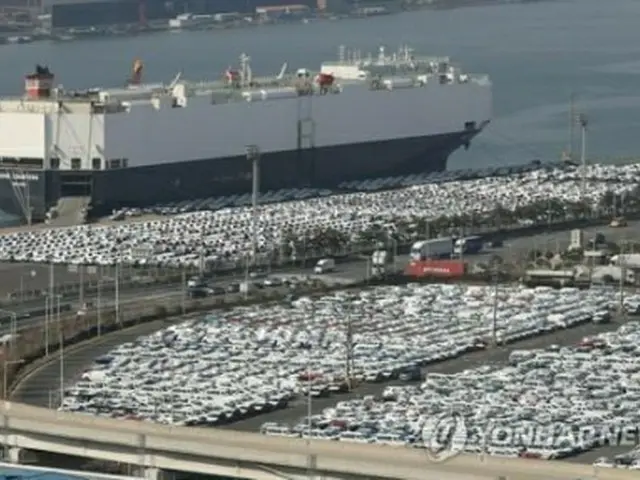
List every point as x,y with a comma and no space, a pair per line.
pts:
325,265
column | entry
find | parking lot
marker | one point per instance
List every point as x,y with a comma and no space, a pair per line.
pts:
161,408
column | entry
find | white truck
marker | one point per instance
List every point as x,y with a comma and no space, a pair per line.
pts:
382,263
576,241
629,260
612,273
433,248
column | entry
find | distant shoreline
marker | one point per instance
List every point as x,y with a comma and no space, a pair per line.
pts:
384,8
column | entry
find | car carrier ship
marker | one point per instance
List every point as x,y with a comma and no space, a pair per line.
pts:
145,144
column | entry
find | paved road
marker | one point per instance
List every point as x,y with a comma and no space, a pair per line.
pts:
106,302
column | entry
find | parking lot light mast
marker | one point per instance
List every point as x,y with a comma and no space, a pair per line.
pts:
5,378
582,120
253,155
494,323
117,292
623,274
309,404
183,300
99,307
30,274
61,346
47,316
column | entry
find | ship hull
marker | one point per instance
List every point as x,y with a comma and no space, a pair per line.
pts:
322,167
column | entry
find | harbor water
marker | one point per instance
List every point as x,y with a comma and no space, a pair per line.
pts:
537,54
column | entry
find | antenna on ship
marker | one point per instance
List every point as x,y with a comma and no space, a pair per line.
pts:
245,70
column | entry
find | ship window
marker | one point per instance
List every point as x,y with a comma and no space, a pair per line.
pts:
96,163
114,163
125,162
55,163
76,163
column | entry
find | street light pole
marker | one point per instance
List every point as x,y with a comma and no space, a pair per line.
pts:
183,300
494,326
253,155
5,378
81,295
47,301
61,346
99,307
118,291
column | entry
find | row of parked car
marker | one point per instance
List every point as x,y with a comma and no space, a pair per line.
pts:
546,403
251,360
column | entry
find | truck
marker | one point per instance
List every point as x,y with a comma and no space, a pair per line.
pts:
576,242
432,249
598,240
628,260
382,263
612,273
547,277
435,269
468,245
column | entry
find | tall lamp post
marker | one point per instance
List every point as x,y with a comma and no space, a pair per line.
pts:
30,274
5,378
61,346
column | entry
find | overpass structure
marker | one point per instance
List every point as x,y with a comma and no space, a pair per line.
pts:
158,448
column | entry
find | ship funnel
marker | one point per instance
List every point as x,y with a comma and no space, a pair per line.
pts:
39,84
136,74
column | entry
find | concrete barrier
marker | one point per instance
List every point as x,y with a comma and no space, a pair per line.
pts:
213,451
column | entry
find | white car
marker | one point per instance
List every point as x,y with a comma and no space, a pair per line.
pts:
604,462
